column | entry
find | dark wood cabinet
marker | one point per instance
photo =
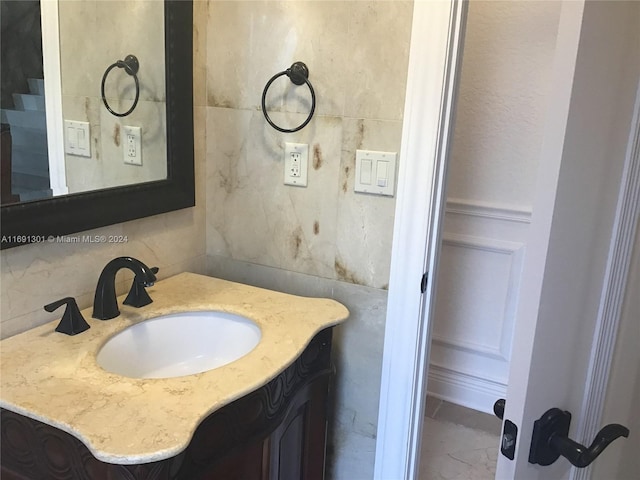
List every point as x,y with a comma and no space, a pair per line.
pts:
277,432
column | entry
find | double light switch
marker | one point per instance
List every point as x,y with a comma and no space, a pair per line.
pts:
375,172
77,138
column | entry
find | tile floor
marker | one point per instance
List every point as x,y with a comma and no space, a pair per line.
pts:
458,443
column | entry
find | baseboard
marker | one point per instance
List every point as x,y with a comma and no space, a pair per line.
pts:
463,389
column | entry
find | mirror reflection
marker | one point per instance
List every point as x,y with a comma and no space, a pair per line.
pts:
58,136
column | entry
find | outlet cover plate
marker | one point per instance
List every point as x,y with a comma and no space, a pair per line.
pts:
132,146
296,160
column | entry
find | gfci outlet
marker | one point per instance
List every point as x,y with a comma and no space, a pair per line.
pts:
132,145
296,158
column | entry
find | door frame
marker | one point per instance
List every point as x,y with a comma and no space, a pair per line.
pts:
53,96
613,292
437,38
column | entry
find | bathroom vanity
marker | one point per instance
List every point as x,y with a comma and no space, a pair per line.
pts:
262,416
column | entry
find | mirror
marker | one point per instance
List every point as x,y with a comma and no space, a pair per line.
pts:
37,220
74,117
88,69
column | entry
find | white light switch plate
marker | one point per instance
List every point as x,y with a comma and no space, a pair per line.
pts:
375,172
77,138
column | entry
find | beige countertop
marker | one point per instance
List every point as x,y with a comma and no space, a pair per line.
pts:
54,378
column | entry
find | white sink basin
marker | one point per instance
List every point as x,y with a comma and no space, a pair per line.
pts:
179,344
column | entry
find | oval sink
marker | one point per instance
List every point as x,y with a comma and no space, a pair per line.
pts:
179,344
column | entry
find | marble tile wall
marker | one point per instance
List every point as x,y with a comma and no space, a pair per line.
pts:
34,275
357,356
93,36
359,78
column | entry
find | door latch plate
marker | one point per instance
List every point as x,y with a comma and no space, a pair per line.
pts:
509,437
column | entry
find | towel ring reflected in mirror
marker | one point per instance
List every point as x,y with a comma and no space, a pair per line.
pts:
130,65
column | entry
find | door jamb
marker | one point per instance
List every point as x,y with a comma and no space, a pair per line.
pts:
434,61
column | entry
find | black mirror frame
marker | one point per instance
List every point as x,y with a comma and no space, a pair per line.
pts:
39,220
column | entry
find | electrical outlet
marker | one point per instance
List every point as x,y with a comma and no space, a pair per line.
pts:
295,164
296,157
132,145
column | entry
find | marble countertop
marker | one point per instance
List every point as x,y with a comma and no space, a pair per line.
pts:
54,378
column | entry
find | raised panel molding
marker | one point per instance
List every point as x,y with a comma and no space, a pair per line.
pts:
514,251
464,371
494,211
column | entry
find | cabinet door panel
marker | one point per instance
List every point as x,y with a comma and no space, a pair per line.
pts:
297,446
289,448
244,464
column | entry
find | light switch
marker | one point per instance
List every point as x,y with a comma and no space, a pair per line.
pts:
375,172
382,173
365,172
77,138
73,137
82,142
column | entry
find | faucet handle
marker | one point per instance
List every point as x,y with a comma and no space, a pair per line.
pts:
72,321
138,296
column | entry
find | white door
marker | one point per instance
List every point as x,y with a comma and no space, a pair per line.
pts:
434,60
577,255
583,221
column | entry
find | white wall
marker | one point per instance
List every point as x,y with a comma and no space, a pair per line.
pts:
505,80
508,53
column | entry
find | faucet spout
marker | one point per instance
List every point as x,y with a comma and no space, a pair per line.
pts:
105,305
